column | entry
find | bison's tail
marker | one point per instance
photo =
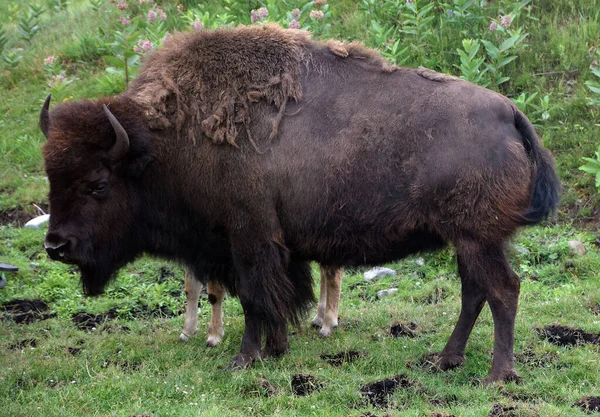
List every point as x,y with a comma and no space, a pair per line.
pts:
546,187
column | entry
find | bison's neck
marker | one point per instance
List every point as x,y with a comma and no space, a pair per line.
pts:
170,227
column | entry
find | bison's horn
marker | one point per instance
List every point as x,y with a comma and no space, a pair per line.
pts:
45,116
121,146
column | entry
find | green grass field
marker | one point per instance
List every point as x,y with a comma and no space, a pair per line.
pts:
132,364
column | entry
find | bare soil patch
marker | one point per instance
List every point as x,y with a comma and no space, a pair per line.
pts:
90,322
403,330
568,336
378,393
304,384
125,366
589,404
343,357
23,344
534,360
17,217
74,351
24,311
500,411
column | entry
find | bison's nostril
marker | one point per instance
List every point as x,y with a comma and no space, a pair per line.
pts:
56,248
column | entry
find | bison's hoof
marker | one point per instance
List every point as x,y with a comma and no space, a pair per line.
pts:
184,337
317,322
509,375
446,362
213,341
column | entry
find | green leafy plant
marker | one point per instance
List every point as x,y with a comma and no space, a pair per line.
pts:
124,59
37,10
470,64
58,5
593,167
3,39
500,56
97,5
28,25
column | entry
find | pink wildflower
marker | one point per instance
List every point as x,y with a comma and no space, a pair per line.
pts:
493,26
161,14
296,14
151,16
263,13
197,25
122,5
294,24
143,46
506,21
317,14
409,1
253,16
124,21
56,80
594,63
320,3
50,60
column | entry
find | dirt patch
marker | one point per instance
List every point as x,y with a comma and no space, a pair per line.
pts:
532,359
125,366
90,322
500,411
304,384
23,344
596,309
568,336
589,404
378,393
403,330
73,351
17,217
343,357
24,311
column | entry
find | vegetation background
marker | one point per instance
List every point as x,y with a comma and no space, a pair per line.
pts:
118,354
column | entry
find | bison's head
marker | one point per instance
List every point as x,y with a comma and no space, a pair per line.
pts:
95,162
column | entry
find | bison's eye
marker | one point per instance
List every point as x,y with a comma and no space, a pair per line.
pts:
99,188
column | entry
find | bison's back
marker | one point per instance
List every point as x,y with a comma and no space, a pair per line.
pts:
379,164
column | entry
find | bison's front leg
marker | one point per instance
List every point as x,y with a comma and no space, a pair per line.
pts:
266,294
193,287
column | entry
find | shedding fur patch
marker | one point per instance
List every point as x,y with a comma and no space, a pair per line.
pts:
209,79
435,76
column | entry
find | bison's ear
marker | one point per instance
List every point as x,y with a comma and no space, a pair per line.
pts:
45,116
138,165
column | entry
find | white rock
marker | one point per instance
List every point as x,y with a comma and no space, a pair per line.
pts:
577,247
38,221
379,272
420,261
385,293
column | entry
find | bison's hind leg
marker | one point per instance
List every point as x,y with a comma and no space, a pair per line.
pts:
216,295
329,299
193,287
485,276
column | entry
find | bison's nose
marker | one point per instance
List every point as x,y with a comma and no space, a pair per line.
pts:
57,246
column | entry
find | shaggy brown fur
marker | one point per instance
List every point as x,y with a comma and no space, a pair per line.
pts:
231,69
358,163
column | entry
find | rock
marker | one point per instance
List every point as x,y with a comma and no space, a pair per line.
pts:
38,221
420,261
577,247
2,281
385,293
379,272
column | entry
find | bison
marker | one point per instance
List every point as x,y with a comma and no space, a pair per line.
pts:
245,153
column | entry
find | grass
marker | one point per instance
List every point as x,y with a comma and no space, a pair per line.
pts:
134,365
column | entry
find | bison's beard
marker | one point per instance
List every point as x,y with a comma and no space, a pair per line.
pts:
99,267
